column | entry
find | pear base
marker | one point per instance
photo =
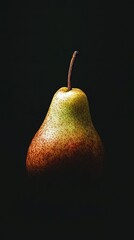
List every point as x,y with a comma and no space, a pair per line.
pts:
67,191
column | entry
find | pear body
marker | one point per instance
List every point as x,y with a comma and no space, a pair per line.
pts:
66,143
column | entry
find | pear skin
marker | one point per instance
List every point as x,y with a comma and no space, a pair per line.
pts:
66,152
67,141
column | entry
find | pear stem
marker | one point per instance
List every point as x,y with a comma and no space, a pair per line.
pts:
70,70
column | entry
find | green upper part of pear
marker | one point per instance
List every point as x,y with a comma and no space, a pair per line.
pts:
68,113
68,120
68,117
69,108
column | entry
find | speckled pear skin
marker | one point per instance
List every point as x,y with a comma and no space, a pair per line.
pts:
67,140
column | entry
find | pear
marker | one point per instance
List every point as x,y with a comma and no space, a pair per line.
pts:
67,142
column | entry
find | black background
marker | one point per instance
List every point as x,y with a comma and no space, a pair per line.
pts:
37,44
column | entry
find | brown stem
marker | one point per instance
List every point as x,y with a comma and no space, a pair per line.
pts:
70,70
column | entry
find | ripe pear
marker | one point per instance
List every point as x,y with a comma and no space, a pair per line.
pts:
67,142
